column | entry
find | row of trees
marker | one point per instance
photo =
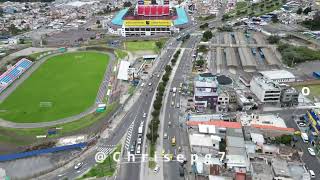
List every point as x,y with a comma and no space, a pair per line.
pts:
153,126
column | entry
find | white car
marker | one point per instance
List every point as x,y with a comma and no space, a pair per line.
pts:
311,151
312,174
149,84
78,166
139,141
165,135
156,169
138,149
302,124
144,115
158,75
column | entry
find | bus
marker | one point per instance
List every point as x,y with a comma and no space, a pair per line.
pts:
173,141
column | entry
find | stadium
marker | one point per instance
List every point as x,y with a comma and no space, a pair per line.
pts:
148,19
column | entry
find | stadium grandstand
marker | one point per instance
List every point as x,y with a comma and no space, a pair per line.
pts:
14,73
146,19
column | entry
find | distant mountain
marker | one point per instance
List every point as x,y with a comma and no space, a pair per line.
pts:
27,0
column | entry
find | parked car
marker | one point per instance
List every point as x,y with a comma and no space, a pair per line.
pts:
311,151
165,135
144,115
312,174
132,148
150,84
302,124
78,165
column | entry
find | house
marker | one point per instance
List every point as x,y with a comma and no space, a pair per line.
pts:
204,144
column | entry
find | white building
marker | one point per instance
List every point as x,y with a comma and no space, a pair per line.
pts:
266,90
280,76
204,144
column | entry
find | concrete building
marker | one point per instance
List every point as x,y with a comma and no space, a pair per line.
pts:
266,90
205,94
223,102
289,96
280,169
261,170
280,76
204,144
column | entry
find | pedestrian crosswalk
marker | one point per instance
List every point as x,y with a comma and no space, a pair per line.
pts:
107,149
129,134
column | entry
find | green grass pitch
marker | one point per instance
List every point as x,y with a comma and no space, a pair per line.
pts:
63,86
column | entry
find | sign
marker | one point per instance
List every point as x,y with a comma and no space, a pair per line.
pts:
148,23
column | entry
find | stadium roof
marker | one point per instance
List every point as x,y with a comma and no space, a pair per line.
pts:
123,70
118,19
182,16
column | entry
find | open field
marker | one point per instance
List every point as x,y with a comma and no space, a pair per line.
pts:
142,45
63,86
314,90
120,54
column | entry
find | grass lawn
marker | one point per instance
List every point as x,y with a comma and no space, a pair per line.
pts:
26,136
120,54
314,90
63,86
104,169
36,55
142,45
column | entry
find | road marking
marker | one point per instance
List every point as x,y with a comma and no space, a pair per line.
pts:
129,134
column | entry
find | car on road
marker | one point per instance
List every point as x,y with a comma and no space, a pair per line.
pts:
169,123
150,84
172,103
163,152
158,75
142,84
144,115
311,151
312,174
139,141
156,169
132,149
174,94
302,124
78,165
165,135
178,105
138,149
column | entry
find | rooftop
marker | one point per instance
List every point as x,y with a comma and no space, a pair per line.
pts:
225,124
265,83
235,142
261,170
203,140
210,84
277,74
280,167
208,129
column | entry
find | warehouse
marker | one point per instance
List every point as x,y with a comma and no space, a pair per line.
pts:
280,76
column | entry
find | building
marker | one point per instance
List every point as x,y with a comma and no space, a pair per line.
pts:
289,96
149,19
280,169
260,170
266,90
223,102
204,144
205,94
243,102
280,76
123,73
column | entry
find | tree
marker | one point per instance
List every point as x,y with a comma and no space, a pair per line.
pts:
13,29
225,17
200,62
207,35
273,39
307,10
275,19
300,10
202,48
165,78
98,21
21,41
159,44
127,4
203,26
168,68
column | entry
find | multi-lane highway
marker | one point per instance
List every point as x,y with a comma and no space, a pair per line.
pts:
173,117
132,170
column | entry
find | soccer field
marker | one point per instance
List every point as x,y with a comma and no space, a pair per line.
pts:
63,86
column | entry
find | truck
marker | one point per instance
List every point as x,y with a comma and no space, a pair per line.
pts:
174,89
305,137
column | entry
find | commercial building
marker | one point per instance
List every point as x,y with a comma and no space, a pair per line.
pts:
204,144
266,90
280,76
148,19
223,102
289,96
205,94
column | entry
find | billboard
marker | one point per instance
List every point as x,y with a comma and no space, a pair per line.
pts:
148,23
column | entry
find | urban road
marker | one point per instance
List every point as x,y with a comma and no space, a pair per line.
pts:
132,170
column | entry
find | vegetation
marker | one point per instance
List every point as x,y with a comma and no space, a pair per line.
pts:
27,136
105,169
204,26
293,55
153,126
273,39
202,48
144,45
314,89
300,10
63,86
207,35
314,24
120,54
284,139
225,29
206,18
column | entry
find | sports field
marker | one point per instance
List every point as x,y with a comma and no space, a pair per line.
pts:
63,86
314,90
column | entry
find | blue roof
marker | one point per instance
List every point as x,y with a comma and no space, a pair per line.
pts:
118,19
182,16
